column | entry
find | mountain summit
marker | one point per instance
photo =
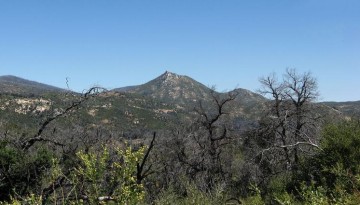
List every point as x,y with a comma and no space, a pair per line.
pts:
169,77
171,87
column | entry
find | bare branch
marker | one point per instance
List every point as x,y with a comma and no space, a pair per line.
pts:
141,174
37,137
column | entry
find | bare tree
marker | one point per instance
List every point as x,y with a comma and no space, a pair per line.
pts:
200,150
289,127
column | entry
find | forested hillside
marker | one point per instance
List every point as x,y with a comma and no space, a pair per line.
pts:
173,140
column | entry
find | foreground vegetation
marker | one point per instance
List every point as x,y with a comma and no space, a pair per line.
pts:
292,155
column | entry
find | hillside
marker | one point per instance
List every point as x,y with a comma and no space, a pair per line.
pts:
186,126
15,85
161,103
351,108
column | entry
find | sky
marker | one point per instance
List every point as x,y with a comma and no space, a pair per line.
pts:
226,43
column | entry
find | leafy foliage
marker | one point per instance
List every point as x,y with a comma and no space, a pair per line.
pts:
98,179
102,177
21,172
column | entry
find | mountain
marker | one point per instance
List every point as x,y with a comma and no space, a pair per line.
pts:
351,108
172,88
15,85
186,93
28,102
163,102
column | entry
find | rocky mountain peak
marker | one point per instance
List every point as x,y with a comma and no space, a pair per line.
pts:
170,79
168,73
169,76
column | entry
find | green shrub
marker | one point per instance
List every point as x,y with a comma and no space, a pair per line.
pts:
22,172
99,179
192,196
332,175
104,179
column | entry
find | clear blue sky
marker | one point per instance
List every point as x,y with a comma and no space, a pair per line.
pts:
227,43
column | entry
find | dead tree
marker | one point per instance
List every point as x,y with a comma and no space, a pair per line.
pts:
200,150
289,126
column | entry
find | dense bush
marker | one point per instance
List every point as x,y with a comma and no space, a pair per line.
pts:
21,172
101,177
332,176
337,166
